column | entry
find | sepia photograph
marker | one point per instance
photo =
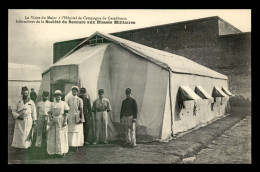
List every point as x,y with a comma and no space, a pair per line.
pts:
129,86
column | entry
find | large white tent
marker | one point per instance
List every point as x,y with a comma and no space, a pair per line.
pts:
162,83
20,75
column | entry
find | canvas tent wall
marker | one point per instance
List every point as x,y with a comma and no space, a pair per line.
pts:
155,77
20,75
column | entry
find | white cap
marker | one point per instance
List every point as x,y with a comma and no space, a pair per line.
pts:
58,92
75,87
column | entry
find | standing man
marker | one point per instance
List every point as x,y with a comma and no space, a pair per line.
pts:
128,116
33,95
43,107
101,107
75,120
88,125
24,112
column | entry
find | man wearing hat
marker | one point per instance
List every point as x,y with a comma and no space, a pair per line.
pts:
42,108
88,125
128,116
75,120
24,112
101,107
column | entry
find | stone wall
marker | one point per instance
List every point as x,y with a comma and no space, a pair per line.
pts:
62,48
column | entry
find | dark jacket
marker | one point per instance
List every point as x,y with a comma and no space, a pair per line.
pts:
86,107
129,108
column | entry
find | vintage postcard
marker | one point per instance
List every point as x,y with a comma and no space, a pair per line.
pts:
129,86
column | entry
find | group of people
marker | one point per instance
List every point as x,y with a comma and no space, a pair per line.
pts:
63,125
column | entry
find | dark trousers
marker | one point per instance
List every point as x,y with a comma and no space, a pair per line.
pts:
89,130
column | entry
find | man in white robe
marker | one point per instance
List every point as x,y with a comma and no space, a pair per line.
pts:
24,112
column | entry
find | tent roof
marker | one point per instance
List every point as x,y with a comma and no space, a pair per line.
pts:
175,63
81,55
23,72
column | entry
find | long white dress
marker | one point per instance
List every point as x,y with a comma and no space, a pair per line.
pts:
22,128
57,136
75,130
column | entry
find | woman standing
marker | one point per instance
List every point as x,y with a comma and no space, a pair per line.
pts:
75,120
57,139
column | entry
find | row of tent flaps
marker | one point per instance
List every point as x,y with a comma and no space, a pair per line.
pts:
186,93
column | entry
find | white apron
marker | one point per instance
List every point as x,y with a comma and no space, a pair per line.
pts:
75,130
57,136
22,128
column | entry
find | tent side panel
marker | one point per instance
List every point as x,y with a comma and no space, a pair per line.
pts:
94,75
148,83
190,117
46,82
127,70
166,125
24,73
89,74
153,109
45,85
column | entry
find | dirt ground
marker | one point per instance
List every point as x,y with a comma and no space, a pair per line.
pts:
233,147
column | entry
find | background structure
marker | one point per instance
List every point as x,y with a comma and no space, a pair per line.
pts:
210,41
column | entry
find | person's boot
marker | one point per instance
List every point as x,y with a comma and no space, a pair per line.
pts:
133,145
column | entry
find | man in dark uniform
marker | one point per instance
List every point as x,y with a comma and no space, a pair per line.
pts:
89,120
33,95
128,116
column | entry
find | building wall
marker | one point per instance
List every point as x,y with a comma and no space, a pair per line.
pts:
226,29
199,33
236,59
209,41
62,48
236,49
